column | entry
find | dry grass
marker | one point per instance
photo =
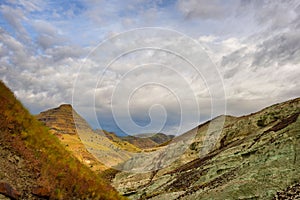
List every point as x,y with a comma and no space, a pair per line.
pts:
60,172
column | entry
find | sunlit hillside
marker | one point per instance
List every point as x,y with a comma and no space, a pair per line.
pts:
39,166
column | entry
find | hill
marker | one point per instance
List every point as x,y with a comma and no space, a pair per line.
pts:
147,142
123,144
84,142
34,164
254,157
61,123
140,142
161,138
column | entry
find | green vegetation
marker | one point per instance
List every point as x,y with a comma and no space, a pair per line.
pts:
268,118
60,172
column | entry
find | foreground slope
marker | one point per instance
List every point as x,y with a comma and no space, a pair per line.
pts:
255,157
33,163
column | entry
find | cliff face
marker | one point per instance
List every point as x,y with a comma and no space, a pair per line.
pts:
254,157
61,120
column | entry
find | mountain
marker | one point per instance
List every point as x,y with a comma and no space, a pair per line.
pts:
60,120
161,138
34,164
140,142
249,157
84,142
61,123
123,144
148,142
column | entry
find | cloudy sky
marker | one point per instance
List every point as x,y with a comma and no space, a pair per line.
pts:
97,56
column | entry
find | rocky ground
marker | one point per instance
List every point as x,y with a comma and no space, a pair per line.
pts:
18,178
291,193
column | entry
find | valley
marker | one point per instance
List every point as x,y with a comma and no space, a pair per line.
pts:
249,157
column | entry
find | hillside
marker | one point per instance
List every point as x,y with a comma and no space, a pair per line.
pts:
161,138
61,123
123,144
144,142
84,142
34,164
254,157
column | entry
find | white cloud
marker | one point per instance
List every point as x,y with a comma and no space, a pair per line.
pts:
207,38
213,9
40,56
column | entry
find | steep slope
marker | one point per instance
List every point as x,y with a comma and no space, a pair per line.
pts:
254,157
61,123
60,120
79,138
33,163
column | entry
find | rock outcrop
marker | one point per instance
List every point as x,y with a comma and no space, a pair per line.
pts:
8,191
91,147
61,123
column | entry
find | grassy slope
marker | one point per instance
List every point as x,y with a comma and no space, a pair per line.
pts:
61,124
60,172
120,143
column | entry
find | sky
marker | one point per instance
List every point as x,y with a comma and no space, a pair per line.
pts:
124,65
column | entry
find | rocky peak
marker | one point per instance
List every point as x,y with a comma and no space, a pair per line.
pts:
61,120
66,107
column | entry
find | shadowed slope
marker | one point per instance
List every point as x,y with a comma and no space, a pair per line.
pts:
254,157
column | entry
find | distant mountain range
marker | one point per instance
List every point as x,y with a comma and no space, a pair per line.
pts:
60,121
142,141
65,123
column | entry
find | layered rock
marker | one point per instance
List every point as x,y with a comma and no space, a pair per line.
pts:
91,147
61,123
